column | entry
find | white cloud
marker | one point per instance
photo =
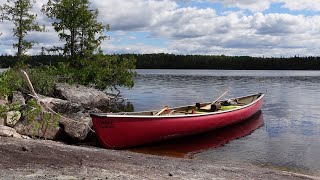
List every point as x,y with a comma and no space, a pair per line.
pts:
313,5
194,30
132,15
280,24
259,6
252,5
138,48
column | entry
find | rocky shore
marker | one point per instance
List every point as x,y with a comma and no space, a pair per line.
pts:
74,103
45,159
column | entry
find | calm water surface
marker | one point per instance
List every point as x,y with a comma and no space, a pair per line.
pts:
289,133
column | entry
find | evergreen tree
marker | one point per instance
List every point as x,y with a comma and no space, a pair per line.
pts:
18,12
77,26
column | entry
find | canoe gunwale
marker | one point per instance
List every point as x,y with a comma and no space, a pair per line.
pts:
105,115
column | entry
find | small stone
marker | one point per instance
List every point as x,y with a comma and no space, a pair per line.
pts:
170,174
24,148
17,97
12,118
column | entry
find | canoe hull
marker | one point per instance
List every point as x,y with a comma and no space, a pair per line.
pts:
118,132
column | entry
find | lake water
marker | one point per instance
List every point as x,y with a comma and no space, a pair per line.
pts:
286,135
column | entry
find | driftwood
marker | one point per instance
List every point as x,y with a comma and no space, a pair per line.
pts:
26,77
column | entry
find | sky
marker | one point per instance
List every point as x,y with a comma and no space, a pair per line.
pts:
261,28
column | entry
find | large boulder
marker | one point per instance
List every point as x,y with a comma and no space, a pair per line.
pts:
88,97
77,126
38,127
61,106
75,119
42,129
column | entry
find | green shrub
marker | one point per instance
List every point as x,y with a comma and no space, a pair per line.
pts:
43,79
101,72
107,72
39,119
10,80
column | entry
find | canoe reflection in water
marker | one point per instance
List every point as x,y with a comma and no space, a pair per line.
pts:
186,147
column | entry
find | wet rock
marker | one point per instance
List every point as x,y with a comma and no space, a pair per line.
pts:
12,118
17,97
88,97
10,132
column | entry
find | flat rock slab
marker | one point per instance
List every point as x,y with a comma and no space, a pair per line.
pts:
38,159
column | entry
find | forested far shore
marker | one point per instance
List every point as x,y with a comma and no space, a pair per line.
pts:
171,61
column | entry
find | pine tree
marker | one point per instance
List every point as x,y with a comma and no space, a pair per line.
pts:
18,12
77,26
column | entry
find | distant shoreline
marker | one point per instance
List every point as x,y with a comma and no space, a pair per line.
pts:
171,61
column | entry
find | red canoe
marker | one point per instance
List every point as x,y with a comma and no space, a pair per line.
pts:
127,129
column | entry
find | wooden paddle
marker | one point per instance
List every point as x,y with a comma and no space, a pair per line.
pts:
208,107
162,110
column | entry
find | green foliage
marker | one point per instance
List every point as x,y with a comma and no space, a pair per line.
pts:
43,79
33,109
10,80
18,12
100,71
39,119
4,108
107,72
77,26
